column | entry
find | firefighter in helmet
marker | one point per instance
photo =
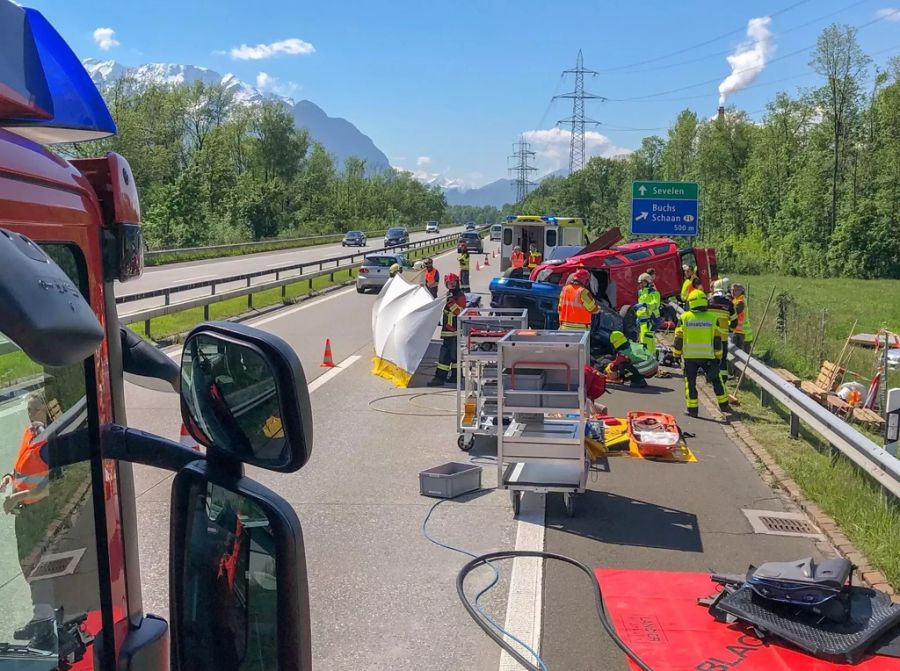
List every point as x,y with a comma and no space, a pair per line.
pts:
698,342
456,303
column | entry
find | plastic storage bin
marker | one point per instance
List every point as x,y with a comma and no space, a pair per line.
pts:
450,480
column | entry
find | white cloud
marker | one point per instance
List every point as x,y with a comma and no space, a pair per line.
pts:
552,147
423,161
292,47
104,37
749,58
888,14
266,83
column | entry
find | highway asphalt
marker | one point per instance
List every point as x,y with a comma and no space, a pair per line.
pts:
382,596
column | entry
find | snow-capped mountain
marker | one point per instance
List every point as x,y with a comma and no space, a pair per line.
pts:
340,137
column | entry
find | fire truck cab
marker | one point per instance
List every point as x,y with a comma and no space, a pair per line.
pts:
70,579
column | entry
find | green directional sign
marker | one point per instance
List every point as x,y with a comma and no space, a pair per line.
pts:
667,190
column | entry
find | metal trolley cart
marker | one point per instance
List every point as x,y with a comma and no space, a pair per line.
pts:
480,329
542,386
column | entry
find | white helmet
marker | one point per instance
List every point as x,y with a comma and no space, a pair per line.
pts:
645,277
419,265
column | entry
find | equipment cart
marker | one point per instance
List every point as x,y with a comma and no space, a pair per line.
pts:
541,385
480,329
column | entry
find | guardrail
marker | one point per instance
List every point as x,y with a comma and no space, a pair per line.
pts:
328,266
883,467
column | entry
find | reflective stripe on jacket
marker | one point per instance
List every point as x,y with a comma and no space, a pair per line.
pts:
518,260
652,299
463,261
686,288
743,317
431,277
454,306
534,259
576,307
31,471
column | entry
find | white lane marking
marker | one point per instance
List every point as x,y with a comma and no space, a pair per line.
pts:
334,372
194,279
523,606
306,305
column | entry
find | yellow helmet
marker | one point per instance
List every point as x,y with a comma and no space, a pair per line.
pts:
617,339
697,300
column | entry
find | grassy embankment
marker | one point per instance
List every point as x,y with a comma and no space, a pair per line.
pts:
869,518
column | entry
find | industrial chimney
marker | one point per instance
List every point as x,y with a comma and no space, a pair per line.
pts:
721,114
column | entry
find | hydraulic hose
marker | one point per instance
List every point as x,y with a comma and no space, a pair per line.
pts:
474,613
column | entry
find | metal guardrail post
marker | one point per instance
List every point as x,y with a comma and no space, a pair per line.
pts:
249,296
147,327
764,398
206,312
794,430
166,298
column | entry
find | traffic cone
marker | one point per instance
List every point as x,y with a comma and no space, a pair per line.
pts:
495,253
187,440
328,361
487,261
477,266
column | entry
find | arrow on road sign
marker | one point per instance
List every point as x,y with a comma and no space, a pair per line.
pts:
642,189
641,216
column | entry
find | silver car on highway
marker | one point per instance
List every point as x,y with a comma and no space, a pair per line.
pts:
376,270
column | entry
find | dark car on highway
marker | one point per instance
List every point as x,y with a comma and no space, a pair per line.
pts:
354,239
396,236
473,242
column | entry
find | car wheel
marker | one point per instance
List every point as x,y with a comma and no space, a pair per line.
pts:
360,290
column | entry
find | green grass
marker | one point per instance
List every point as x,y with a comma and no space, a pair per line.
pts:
872,302
869,517
199,255
181,322
16,366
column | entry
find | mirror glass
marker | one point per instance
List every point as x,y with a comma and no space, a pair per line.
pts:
229,618
229,390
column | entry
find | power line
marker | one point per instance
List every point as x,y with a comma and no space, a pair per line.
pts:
578,120
656,59
522,168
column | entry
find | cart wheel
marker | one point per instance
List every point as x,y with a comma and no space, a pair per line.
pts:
569,500
464,442
516,502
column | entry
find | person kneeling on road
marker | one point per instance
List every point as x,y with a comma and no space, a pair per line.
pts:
456,303
698,342
622,366
577,304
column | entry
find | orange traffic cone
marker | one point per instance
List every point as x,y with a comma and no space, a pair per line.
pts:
487,261
187,440
477,266
328,361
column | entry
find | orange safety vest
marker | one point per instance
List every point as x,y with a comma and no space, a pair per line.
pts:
571,307
452,309
518,259
431,279
30,471
534,259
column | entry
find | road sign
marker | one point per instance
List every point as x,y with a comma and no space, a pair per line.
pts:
664,208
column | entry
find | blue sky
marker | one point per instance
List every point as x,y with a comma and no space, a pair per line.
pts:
444,89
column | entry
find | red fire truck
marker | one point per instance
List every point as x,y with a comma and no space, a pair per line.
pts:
70,579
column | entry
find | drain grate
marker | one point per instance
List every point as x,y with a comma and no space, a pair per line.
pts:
776,523
56,565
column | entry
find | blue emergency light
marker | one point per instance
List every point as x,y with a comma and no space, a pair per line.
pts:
46,94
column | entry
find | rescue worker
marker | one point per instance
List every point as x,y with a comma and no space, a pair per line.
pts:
688,285
621,366
721,306
456,303
535,258
743,331
647,311
517,261
577,304
394,270
699,344
464,264
432,277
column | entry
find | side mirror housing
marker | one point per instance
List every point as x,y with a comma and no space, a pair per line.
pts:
237,574
244,397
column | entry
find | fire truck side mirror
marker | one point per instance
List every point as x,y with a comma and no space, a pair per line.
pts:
43,311
239,596
244,397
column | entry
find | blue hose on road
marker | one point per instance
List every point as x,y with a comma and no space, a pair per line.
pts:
478,607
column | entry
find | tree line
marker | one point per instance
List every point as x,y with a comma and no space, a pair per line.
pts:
813,189
211,170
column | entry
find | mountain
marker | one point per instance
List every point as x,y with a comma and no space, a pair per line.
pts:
497,193
339,137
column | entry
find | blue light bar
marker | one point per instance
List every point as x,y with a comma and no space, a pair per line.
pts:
79,111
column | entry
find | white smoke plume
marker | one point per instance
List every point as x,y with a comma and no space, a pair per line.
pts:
750,57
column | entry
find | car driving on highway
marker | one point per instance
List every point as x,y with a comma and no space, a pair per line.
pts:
432,227
473,242
470,226
354,239
496,231
396,236
376,270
